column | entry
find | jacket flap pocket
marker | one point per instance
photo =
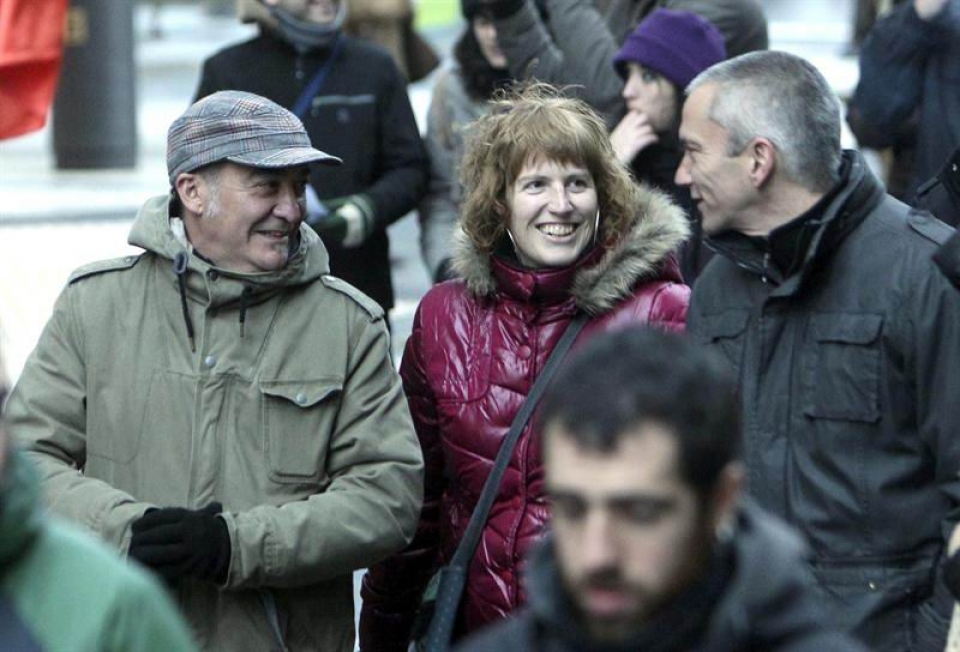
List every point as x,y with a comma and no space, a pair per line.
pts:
845,328
724,325
302,393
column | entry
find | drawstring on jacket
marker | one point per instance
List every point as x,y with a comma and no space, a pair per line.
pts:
180,269
244,302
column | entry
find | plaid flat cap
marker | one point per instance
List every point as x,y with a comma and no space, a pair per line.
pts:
240,127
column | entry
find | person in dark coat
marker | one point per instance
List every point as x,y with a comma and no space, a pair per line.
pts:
652,548
844,336
353,101
941,196
657,61
552,226
460,96
573,42
908,95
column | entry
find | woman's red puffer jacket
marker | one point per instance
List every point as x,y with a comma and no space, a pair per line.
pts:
475,351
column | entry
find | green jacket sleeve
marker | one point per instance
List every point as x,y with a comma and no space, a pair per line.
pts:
370,507
145,620
47,417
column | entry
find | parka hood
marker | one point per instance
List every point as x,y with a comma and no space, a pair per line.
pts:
200,281
152,232
599,281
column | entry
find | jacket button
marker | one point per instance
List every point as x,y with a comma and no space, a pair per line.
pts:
524,352
209,361
301,398
212,274
873,586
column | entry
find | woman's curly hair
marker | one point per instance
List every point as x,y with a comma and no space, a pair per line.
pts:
531,122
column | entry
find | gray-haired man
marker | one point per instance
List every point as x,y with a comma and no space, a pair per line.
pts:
219,406
845,338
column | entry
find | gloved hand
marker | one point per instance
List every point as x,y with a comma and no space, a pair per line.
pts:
348,223
175,542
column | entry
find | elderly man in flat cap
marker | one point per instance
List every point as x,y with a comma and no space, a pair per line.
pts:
219,407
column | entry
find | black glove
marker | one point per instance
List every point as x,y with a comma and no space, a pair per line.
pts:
176,542
347,223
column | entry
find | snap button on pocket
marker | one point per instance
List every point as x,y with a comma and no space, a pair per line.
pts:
209,361
299,417
524,352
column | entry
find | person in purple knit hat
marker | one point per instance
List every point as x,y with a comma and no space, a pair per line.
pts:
657,61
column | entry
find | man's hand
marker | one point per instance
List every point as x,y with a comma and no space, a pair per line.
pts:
632,136
927,9
176,542
349,221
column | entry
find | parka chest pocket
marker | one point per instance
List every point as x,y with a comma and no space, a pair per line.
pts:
725,332
298,418
841,367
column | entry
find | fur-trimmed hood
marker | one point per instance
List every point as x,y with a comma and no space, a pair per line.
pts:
658,230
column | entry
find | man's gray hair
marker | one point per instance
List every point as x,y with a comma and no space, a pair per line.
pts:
783,98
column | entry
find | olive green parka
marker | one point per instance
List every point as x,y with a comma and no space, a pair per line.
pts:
288,411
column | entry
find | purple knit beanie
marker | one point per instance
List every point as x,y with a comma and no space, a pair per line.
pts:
677,44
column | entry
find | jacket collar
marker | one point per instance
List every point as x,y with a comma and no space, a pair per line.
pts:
600,278
679,627
856,195
152,232
756,584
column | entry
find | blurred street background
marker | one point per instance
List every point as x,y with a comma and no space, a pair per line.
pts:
52,221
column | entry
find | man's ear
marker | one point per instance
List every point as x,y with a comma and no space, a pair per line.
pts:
763,161
726,496
191,190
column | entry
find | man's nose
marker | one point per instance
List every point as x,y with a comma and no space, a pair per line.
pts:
599,543
290,203
682,177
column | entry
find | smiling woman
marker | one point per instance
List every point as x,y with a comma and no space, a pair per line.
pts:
553,213
552,225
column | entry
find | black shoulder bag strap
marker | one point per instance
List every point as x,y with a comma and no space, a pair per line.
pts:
453,577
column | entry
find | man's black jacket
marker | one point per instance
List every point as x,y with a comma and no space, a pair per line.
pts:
848,378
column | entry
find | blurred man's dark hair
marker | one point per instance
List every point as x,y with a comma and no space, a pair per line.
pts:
641,375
